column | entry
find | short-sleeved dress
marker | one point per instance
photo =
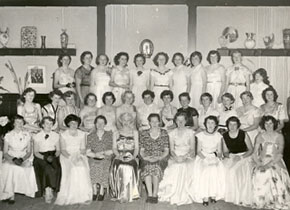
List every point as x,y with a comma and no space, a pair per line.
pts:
257,90
190,113
204,114
99,169
155,148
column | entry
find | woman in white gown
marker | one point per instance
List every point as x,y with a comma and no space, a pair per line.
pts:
120,77
161,78
100,78
180,79
75,186
139,81
216,77
209,172
177,176
17,171
260,83
237,149
197,79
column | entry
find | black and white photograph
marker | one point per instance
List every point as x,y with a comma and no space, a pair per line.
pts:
145,104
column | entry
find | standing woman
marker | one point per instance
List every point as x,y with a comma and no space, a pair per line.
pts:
271,182
108,110
17,171
120,78
161,77
260,83
124,177
237,150
216,77
209,172
83,77
30,111
99,151
63,77
238,78
154,150
51,109
46,160
273,108
249,116
75,187
88,113
180,79
197,79
100,78
139,81
168,111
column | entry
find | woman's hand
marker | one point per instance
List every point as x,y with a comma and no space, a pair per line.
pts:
108,152
99,155
128,157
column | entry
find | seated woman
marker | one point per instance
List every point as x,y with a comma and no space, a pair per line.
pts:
209,172
167,111
124,170
46,160
237,149
154,149
17,170
30,111
99,151
75,186
177,176
51,109
271,182
89,112
69,108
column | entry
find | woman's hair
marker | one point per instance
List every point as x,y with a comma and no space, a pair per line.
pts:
167,93
263,74
98,58
230,96
268,118
195,53
46,118
108,94
233,119
60,57
68,94
55,92
17,117
211,117
152,115
27,90
119,55
87,97
148,92
272,90
123,96
175,55
213,52
206,95
181,113
71,118
236,52
83,55
155,59
184,94
139,55
101,117
247,93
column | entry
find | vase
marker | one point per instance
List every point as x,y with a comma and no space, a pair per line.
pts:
43,42
250,41
223,41
286,38
64,39
4,37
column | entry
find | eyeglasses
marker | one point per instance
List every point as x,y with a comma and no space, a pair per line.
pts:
46,136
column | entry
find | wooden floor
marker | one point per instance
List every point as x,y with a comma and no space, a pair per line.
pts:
25,203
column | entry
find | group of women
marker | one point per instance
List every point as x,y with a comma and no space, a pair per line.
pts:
209,134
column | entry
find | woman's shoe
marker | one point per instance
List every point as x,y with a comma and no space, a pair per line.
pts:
101,197
154,200
149,199
95,196
213,200
205,203
11,202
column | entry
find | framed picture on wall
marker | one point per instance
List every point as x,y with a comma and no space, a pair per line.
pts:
36,76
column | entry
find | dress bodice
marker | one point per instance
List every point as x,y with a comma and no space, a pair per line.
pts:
65,78
31,118
97,144
236,145
160,78
84,74
88,116
226,113
140,78
195,75
257,90
209,143
277,112
190,113
73,144
180,75
17,143
268,147
247,117
213,73
125,144
204,114
100,77
238,74
122,77
182,141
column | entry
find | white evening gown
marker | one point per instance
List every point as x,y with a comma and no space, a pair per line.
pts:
179,80
75,186
196,85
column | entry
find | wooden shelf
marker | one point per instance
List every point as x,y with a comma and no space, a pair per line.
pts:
36,51
255,52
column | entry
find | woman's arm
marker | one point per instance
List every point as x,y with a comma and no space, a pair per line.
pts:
78,80
60,119
36,150
204,80
226,151
254,126
39,112
172,152
249,146
112,80
192,146
219,149
56,78
152,82
83,145
136,141
199,152
5,152
248,81
57,147
195,123
223,81
63,150
258,141
115,150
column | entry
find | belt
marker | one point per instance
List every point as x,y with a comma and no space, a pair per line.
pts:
214,81
87,85
238,83
161,85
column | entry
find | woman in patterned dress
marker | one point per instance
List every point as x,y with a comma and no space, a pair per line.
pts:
139,81
161,77
99,151
124,179
120,77
154,150
271,182
89,113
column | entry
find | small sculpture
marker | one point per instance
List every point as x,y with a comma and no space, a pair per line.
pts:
229,35
146,48
286,38
250,41
63,39
269,41
4,37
